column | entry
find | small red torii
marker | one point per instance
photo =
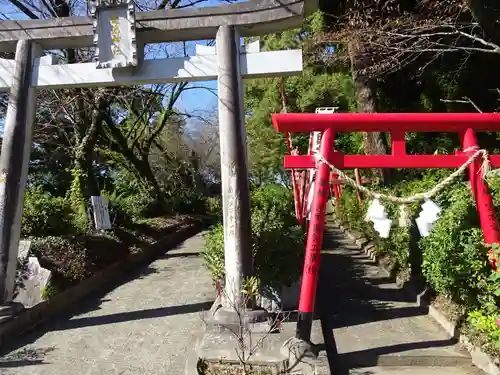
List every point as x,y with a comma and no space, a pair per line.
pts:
397,124
336,184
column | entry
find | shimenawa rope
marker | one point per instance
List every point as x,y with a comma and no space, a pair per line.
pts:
485,169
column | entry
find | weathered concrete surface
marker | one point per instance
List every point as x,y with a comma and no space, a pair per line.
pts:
370,326
260,348
143,326
234,171
276,352
14,162
253,17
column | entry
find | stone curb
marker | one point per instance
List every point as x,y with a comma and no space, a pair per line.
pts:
479,359
31,318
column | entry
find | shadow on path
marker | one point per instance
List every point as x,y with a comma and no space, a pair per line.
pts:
341,364
347,296
351,292
133,315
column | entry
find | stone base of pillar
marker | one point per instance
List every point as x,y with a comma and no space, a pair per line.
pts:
10,310
273,353
254,320
302,356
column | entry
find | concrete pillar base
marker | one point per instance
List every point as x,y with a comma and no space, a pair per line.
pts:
302,356
254,320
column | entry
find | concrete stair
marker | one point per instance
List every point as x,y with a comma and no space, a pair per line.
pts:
370,326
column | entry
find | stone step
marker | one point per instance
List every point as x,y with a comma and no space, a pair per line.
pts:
372,326
403,370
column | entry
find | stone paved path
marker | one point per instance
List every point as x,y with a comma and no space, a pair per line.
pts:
370,326
143,326
146,324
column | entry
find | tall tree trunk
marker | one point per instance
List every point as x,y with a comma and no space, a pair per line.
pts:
86,134
88,183
374,143
144,167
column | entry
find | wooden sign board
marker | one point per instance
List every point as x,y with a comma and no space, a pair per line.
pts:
101,213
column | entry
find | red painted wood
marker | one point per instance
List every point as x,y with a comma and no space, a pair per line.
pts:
385,122
484,202
315,231
383,161
398,143
296,181
398,124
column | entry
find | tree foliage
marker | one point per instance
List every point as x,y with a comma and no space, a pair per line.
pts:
115,141
319,85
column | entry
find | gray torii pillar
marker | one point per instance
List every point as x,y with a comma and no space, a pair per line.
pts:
234,170
14,163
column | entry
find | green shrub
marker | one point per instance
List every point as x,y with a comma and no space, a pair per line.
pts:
403,240
485,330
277,241
213,253
353,214
455,260
275,198
494,278
123,208
126,207
278,249
45,215
49,291
213,207
187,201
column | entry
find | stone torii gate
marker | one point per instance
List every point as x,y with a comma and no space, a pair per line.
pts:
119,35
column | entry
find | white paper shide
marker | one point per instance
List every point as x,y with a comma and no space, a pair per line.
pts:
377,215
428,216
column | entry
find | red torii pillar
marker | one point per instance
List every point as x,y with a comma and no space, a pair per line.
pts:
466,124
306,176
297,181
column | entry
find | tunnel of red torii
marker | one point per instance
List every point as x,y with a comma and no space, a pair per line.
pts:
326,181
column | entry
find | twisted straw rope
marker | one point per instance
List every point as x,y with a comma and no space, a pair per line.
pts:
485,168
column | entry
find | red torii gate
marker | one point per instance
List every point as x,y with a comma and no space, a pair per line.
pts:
397,124
301,183
336,184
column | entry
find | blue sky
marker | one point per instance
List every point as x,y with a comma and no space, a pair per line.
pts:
197,101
